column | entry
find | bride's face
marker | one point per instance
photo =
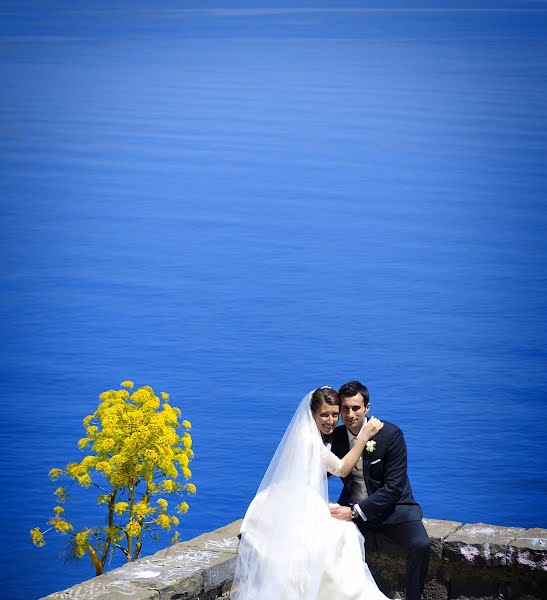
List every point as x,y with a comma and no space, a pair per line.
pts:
326,418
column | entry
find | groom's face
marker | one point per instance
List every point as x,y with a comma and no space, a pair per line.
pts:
353,412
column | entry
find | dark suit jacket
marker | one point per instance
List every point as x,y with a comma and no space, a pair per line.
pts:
390,498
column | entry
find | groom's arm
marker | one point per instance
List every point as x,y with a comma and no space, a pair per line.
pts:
394,479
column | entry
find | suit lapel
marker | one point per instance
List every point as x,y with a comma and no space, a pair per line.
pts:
368,457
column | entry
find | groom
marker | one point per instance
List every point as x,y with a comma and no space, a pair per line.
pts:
377,494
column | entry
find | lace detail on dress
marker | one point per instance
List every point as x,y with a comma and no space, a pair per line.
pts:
332,462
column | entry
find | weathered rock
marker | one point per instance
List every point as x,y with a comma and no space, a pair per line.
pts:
470,562
529,550
469,588
480,544
106,587
203,566
438,531
435,590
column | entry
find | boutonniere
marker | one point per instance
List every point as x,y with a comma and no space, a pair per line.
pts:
370,445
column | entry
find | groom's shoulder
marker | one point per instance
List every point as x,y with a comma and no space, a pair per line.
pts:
389,427
390,431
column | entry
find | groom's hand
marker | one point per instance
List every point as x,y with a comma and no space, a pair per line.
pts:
343,513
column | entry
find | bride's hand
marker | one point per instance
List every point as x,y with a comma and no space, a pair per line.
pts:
372,427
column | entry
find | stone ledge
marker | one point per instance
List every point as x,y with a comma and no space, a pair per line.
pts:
469,562
529,550
438,531
480,544
473,561
201,567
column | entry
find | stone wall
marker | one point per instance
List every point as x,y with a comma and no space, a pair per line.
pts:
199,569
474,561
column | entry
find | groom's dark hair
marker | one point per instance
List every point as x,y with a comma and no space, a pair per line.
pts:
351,388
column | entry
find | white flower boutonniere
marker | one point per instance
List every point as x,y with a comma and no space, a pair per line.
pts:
370,445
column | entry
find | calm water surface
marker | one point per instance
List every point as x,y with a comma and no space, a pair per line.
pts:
237,206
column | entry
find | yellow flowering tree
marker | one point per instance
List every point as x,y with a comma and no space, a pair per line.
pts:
137,448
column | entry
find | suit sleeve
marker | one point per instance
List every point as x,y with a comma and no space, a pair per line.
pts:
394,479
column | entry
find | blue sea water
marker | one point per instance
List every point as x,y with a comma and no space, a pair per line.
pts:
236,204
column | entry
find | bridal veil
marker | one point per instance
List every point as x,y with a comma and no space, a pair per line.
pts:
283,544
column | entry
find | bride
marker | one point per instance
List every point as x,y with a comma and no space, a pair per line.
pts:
291,548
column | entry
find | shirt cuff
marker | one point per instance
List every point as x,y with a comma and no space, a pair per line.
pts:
361,513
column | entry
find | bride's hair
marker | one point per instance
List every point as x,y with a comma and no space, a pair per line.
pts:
324,394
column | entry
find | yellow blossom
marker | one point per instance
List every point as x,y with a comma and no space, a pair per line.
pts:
163,503
104,445
83,442
165,396
170,470
37,537
127,384
104,466
140,510
113,533
140,396
61,525
175,520
84,480
191,488
169,485
153,488
61,494
133,528
80,542
73,469
186,472
164,521
137,415
175,537
121,507
55,474
58,510
87,462
183,507
187,424
149,454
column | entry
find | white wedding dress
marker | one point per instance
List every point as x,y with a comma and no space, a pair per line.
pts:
291,548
